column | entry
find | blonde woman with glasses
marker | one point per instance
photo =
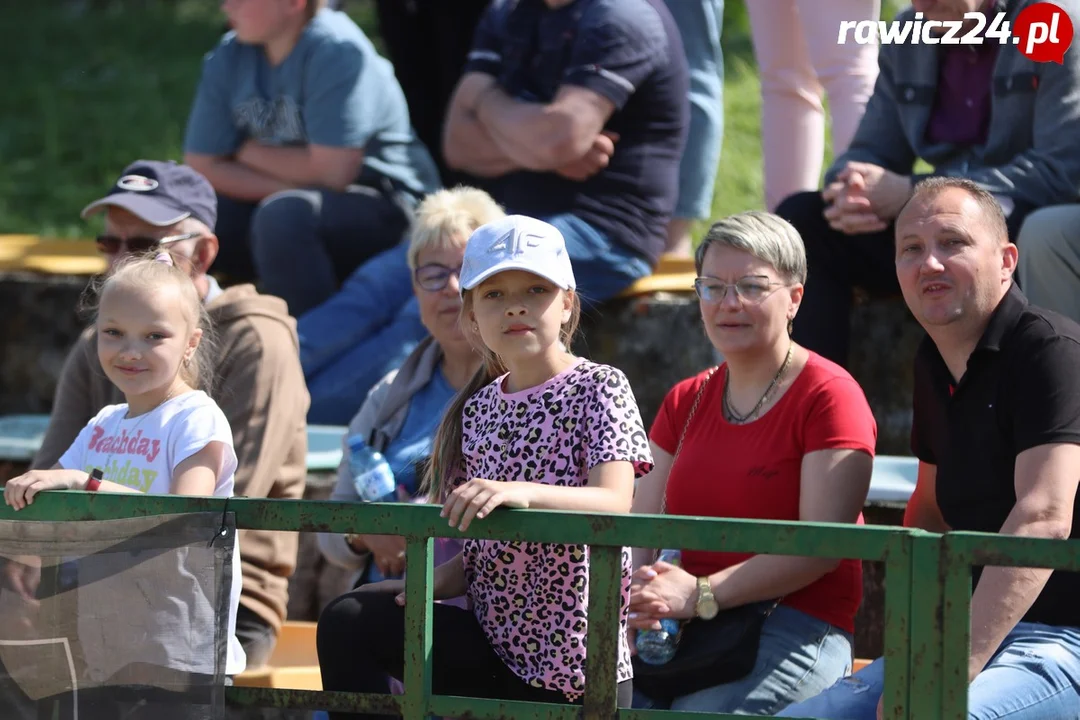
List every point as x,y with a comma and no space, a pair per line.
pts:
401,413
776,432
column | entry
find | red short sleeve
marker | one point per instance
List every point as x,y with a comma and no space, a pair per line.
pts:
841,418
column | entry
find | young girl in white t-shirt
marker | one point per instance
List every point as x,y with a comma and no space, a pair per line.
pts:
169,437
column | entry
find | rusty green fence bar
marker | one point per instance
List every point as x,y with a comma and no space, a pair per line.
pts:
419,553
925,634
1011,551
411,520
956,635
898,624
602,636
960,552
927,599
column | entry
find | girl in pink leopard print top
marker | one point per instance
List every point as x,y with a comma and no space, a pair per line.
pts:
537,428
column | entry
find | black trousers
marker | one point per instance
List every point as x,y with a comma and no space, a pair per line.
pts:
838,263
326,234
361,645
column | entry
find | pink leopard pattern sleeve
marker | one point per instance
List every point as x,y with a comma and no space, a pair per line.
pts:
532,598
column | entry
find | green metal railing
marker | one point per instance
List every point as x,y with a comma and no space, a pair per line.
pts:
927,599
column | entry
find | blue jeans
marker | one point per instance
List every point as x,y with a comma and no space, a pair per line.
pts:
349,342
602,268
1035,675
700,24
799,656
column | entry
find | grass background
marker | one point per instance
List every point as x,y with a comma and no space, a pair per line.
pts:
93,84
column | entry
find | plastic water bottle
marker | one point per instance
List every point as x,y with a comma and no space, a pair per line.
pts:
372,476
656,647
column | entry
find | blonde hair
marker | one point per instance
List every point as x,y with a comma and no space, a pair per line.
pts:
448,217
446,455
151,272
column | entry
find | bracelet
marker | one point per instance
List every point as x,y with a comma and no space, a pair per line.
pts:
94,481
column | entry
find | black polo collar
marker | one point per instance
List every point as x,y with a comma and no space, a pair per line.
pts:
1004,320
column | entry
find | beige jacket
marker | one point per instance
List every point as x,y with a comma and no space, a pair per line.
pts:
259,385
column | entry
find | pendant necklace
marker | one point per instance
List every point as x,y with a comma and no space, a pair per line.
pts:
730,411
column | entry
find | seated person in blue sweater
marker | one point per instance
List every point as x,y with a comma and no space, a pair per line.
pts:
304,132
402,412
350,342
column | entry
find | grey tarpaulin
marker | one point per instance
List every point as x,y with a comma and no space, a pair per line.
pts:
111,619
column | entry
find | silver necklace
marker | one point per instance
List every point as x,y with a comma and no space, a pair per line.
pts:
730,411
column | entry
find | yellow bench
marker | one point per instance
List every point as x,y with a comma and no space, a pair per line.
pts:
54,256
294,663
673,274
33,253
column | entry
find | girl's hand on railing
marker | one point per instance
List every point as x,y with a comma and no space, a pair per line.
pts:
20,491
478,497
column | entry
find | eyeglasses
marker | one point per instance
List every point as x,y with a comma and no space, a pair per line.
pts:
112,245
434,277
750,289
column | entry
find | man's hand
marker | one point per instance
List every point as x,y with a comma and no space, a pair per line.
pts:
592,162
849,209
865,197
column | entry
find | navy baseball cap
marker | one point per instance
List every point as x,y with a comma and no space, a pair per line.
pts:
161,193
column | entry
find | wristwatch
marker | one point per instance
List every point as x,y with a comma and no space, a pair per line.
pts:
707,607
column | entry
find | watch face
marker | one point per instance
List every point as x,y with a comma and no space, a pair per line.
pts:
709,609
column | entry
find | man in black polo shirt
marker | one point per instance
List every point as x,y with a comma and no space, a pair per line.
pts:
579,109
997,433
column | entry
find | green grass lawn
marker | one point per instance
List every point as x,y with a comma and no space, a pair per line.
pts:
94,84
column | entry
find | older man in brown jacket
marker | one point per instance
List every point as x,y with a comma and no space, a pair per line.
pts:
258,382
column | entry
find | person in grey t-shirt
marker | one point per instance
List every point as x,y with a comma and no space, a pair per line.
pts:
304,132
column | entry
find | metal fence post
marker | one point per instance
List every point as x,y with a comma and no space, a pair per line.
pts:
956,616
602,640
926,627
899,570
419,582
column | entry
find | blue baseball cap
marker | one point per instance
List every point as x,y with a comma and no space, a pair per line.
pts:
161,193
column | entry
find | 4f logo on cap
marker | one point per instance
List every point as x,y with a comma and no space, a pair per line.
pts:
514,243
137,183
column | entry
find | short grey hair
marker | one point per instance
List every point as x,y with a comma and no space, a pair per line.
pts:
766,236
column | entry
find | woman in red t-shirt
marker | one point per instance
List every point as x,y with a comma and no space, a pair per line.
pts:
779,433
